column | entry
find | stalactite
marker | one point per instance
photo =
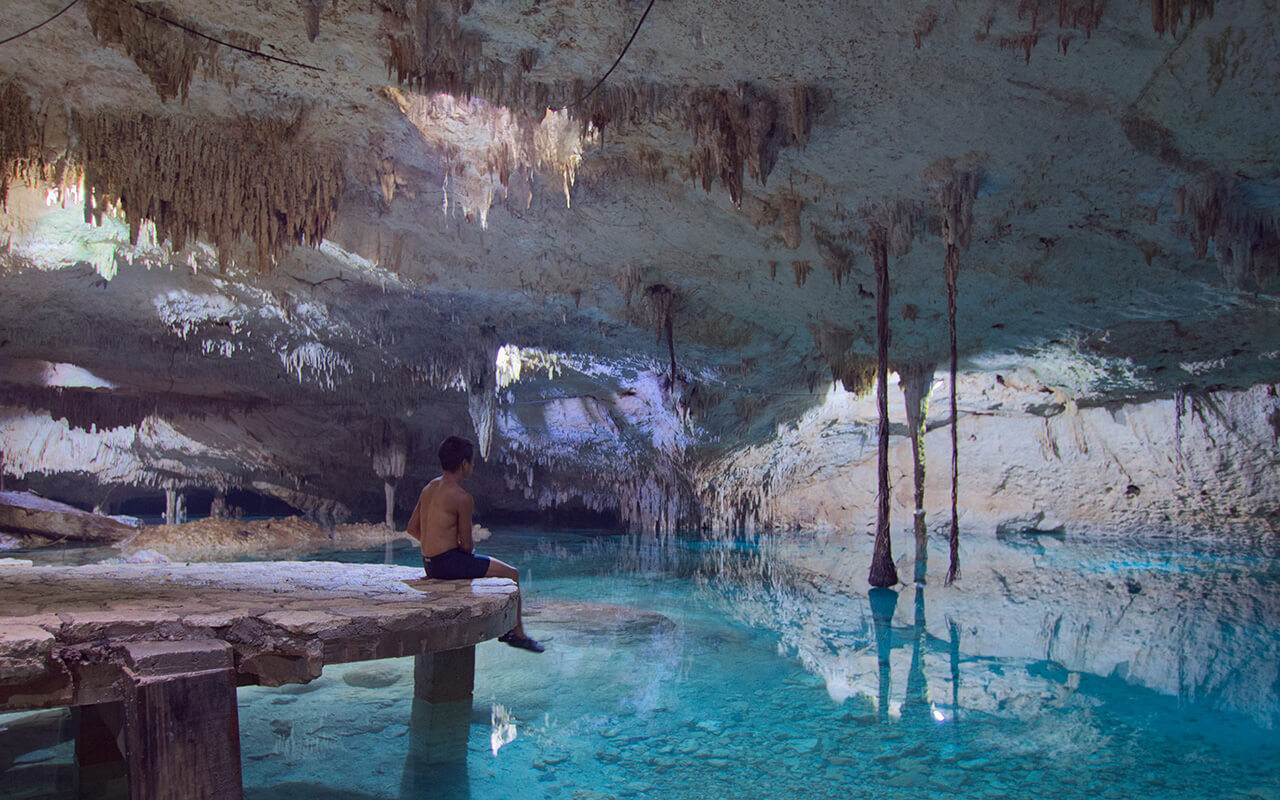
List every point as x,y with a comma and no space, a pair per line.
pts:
166,54
924,24
955,188
855,372
1166,15
790,214
802,270
1242,223
219,181
659,300
885,227
837,258
916,379
388,448
311,10
734,130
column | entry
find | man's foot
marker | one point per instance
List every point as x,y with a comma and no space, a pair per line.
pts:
522,642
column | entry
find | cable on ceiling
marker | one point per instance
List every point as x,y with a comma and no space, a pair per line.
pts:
617,61
41,25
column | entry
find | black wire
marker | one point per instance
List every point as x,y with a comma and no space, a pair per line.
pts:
617,61
41,25
195,32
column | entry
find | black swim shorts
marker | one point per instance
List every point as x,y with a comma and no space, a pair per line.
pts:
456,564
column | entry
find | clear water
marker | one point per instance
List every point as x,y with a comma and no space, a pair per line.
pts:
708,670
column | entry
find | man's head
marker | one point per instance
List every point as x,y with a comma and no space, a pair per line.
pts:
454,451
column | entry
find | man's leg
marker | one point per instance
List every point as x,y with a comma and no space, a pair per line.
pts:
501,569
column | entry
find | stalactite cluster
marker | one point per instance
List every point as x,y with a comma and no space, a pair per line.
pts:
218,181
1166,15
22,154
735,130
837,258
1242,223
855,372
488,150
168,55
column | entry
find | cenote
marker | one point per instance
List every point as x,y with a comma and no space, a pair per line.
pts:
692,668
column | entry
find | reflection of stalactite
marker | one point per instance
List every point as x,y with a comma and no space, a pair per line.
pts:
916,379
916,706
884,602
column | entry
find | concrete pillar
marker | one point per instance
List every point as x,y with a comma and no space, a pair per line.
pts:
445,677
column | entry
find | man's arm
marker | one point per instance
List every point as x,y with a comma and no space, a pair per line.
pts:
415,521
465,506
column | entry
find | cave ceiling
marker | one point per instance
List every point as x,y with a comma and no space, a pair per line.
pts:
223,270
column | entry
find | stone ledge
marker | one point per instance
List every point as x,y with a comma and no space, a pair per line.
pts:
67,633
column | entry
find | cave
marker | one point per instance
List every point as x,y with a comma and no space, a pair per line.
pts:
772,325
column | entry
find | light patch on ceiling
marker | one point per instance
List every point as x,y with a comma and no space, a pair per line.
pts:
490,152
46,227
514,360
69,376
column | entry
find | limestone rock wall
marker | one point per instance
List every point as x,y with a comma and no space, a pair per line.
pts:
1197,465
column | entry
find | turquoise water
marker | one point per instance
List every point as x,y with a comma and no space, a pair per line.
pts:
713,670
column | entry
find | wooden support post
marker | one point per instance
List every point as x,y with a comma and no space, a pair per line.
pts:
181,726
445,677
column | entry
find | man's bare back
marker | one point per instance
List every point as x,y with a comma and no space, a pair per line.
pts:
441,523
442,519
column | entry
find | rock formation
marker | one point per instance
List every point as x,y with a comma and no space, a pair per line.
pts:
228,257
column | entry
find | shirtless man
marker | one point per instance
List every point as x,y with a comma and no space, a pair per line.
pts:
441,522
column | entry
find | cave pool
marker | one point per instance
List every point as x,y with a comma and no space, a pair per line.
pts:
711,669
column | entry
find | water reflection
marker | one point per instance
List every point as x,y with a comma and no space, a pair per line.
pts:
435,767
1188,622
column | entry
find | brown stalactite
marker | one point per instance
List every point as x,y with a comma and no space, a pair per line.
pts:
166,54
219,182
886,228
1245,233
955,188
883,572
22,143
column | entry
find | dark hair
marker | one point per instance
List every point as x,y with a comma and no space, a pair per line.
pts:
453,451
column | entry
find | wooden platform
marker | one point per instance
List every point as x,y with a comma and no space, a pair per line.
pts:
150,655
